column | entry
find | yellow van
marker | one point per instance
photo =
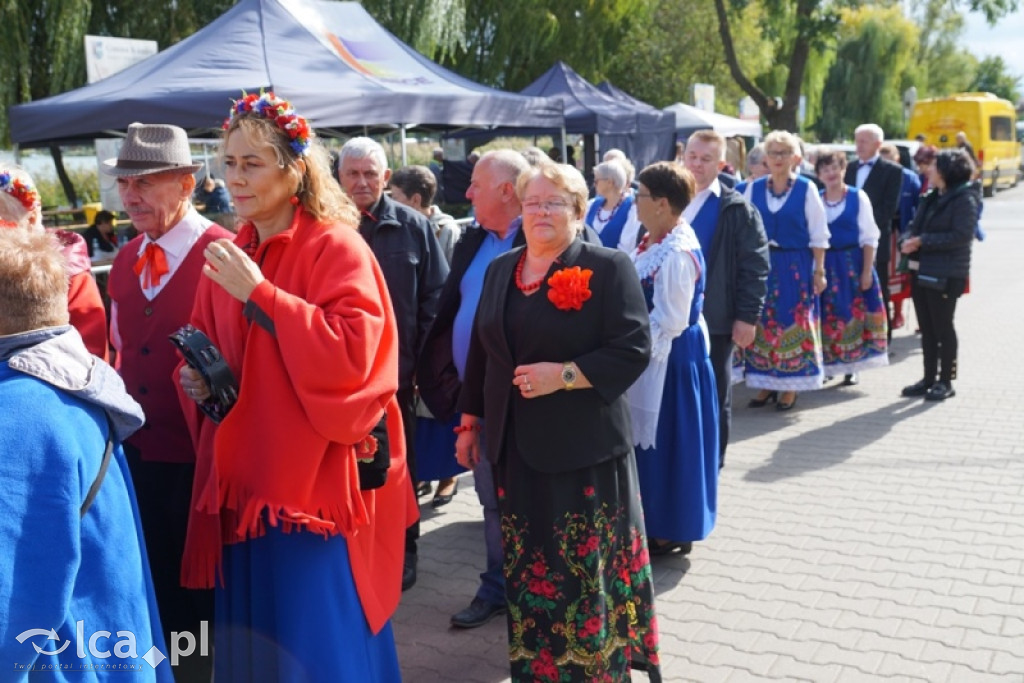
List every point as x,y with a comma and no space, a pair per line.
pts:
990,125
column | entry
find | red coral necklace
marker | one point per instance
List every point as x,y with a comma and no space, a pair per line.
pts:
524,288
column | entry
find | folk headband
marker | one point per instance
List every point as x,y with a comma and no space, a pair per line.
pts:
281,112
26,195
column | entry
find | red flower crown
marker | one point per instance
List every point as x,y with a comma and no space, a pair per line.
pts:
281,112
20,190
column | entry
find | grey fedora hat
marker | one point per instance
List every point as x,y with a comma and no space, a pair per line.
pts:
152,148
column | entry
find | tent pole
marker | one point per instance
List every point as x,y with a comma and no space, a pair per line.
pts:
405,158
564,145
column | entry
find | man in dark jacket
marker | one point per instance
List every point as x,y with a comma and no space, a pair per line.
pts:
415,270
882,181
497,209
735,249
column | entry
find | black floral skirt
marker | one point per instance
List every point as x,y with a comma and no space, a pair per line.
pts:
577,572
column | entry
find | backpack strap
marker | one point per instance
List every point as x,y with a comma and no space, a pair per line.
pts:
104,465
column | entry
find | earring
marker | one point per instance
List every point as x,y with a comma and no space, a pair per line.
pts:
294,199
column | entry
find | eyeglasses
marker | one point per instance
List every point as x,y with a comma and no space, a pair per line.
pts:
645,195
548,206
779,153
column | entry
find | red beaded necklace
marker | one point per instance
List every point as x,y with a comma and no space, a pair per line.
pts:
524,288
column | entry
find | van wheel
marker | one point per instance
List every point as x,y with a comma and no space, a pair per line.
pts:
988,191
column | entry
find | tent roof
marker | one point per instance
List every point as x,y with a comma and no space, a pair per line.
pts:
589,110
622,96
690,119
337,65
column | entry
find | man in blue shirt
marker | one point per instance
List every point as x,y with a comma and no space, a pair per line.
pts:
492,191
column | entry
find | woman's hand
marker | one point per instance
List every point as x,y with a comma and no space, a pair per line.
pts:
819,281
193,384
232,269
538,379
467,446
866,279
910,245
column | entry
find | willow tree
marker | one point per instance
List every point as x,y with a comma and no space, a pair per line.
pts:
41,49
511,42
433,27
876,47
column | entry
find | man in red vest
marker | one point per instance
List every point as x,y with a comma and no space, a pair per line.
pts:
152,287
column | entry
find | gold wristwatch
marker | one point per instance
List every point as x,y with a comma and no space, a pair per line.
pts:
568,376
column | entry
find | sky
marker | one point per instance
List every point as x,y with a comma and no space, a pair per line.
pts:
1002,40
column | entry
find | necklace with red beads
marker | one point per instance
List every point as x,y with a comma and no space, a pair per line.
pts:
525,288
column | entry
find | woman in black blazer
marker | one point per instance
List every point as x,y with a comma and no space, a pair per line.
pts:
939,246
561,332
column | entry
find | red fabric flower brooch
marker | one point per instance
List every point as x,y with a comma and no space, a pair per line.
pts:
569,288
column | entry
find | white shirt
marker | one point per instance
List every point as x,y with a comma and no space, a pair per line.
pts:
814,210
868,232
176,243
863,170
694,207
630,231
675,272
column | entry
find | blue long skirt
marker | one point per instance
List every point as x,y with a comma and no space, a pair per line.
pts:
786,353
853,324
435,449
289,612
679,476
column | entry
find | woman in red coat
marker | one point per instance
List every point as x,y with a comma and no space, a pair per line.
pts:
309,563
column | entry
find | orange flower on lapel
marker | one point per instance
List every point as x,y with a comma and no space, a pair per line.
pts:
569,288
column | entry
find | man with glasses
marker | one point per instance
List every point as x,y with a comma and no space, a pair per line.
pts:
735,248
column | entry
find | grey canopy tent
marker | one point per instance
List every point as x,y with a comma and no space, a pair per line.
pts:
644,133
339,68
690,119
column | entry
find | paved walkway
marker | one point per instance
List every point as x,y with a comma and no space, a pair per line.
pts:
861,536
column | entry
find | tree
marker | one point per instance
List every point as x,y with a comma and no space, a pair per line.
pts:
676,45
432,27
511,42
864,83
797,28
994,77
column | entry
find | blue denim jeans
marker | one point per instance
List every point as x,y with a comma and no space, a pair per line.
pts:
492,581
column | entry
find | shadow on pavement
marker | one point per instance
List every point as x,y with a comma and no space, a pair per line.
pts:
829,446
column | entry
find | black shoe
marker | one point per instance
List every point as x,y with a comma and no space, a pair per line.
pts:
409,571
917,390
478,613
940,391
423,489
761,402
851,380
786,406
440,500
656,548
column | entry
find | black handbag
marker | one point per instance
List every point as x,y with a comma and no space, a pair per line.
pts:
373,455
201,355
937,284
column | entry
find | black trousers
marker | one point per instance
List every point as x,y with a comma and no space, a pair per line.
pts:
935,310
164,492
882,258
407,404
721,362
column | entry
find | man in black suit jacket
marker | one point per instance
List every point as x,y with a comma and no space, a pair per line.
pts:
882,181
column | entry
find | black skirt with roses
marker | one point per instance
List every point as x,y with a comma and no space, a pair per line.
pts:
577,572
